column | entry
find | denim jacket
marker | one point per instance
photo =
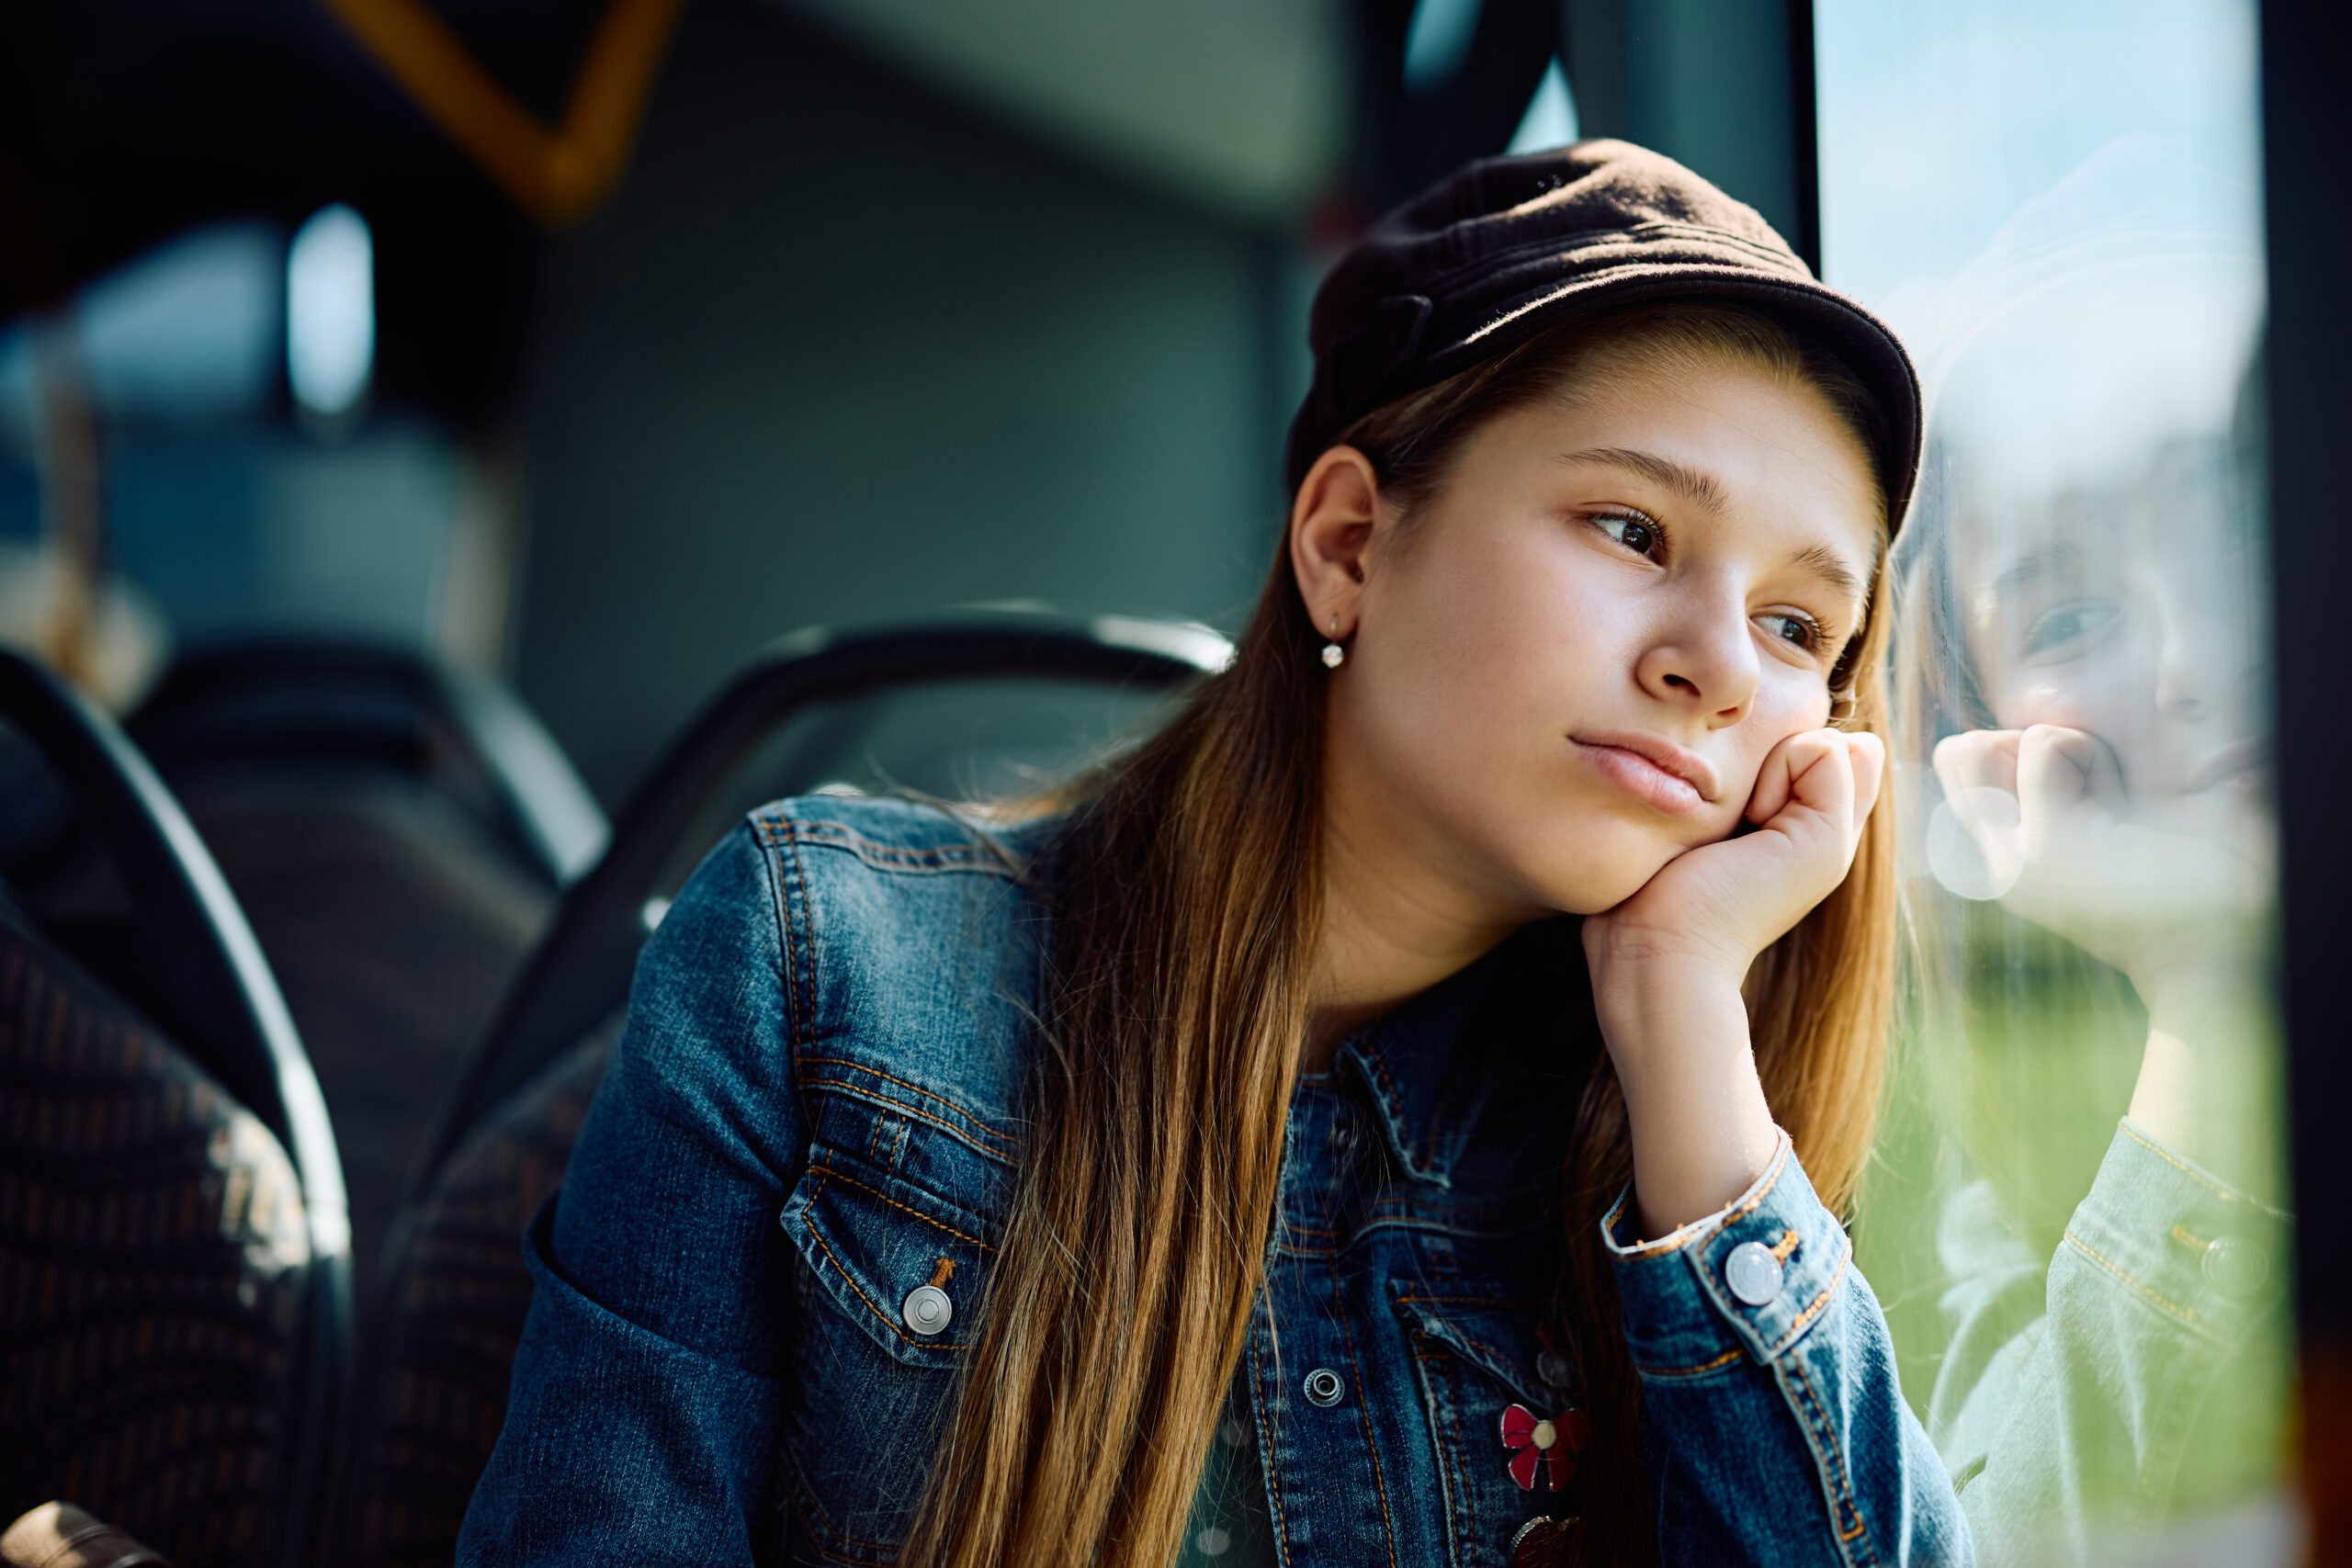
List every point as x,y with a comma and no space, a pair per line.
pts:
778,1227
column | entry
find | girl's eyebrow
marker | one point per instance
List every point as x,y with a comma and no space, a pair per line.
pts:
1821,562
1681,478
2044,560
1815,560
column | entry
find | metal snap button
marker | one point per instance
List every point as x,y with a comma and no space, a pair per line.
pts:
2236,1267
1753,1273
927,1310
1553,1368
1325,1387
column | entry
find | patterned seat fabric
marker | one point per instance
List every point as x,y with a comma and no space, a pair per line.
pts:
153,1258
446,1349
393,925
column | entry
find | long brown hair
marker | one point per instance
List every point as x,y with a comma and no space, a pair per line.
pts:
1185,893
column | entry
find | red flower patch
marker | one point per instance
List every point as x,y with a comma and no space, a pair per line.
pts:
1549,1446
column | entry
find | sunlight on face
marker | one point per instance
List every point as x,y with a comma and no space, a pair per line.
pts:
1568,668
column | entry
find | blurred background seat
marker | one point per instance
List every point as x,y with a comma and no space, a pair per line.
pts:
979,705
174,1287
398,833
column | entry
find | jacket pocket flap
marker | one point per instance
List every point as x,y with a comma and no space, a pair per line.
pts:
1485,1329
902,1263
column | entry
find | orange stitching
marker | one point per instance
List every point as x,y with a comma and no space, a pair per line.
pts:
945,1272
1788,1245
1798,1323
1839,1486
1273,1471
1389,1084
1726,1359
827,1170
1724,1222
1363,1416
2186,1170
915,1087
966,856
833,834
1459,1491
2186,1314
903,1108
818,1236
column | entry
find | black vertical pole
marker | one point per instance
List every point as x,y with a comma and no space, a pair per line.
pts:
1804,135
2306,131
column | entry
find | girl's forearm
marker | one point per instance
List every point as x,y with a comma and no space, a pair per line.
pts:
2208,1086
1702,1131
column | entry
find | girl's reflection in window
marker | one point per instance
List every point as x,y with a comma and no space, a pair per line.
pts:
2092,871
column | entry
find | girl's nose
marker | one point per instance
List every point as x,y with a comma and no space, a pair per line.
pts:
1705,661
2204,660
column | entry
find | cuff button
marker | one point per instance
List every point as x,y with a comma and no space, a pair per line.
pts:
1753,1273
2235,1266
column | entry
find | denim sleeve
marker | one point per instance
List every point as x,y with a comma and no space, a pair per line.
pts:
641,1428
1777,1429
2143,1375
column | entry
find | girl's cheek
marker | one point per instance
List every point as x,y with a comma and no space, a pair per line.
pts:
1779,716
2071,705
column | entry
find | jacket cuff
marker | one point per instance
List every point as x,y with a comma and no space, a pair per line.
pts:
2180,1239
1747,1281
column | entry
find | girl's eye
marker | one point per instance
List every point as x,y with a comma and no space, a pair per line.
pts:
2062,627
1637,533
1803,631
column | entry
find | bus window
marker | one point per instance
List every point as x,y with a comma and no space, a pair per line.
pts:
2077,1218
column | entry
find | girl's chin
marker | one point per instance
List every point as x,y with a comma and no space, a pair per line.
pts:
1590,890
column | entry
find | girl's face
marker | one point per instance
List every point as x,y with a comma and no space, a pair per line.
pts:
2131,616
1568,668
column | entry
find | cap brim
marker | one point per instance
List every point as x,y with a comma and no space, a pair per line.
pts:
1815,313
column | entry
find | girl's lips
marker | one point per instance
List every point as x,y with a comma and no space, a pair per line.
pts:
2231,762
1642,777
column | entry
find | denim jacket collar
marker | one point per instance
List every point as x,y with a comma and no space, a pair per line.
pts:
1433,1065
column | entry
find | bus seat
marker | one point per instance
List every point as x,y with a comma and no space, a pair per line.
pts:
440,1368
398,833
455,1293
174,1287
152,1239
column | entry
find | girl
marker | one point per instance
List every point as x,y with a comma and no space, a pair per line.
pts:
1380,1120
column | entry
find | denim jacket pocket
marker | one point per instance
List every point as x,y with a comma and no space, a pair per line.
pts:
902,1263
889,1291
1477,1354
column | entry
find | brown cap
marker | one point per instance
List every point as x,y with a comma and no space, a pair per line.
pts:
1510,247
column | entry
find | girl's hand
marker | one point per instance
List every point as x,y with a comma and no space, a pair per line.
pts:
2045,816
1667,965
2043,812
1718,906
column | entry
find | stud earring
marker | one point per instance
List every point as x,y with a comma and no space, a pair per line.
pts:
1333,654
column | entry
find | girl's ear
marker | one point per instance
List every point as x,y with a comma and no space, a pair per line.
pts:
1332,522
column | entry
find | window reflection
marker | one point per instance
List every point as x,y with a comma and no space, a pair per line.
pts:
2076,1219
